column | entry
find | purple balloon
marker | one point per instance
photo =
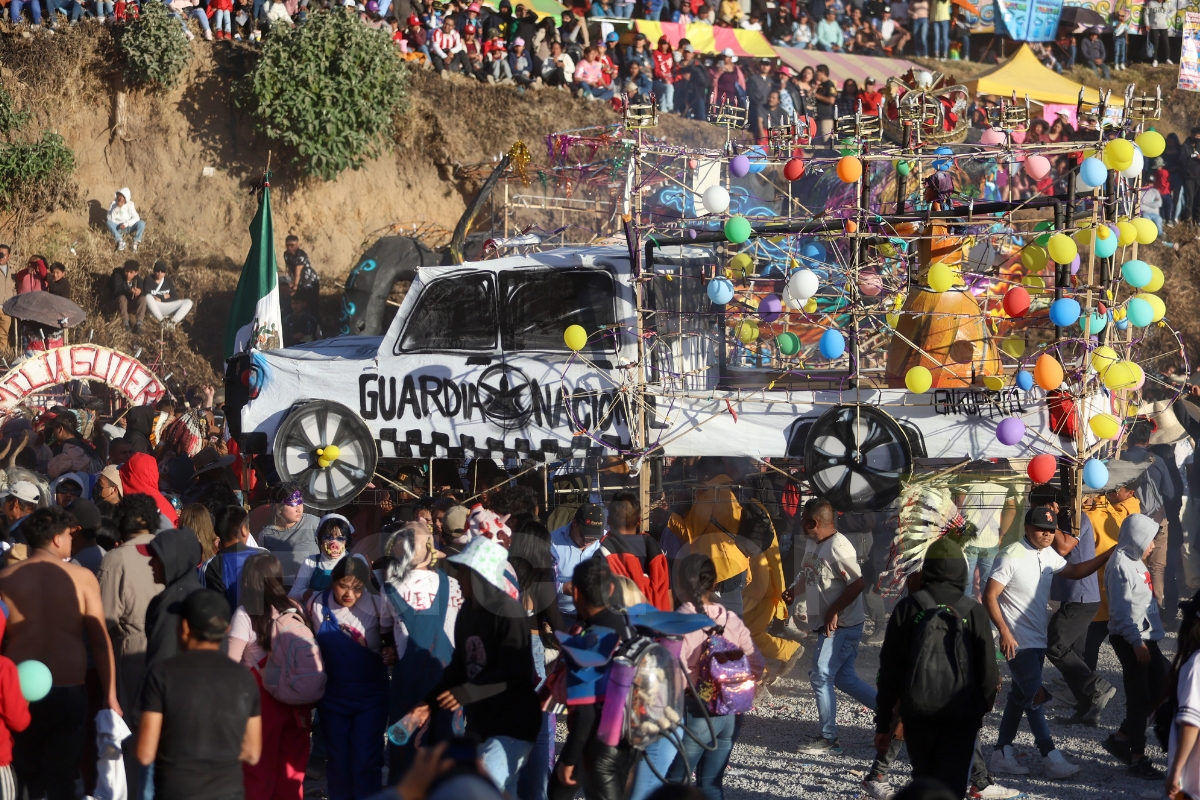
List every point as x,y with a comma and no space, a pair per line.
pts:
1010,430
692,235
1075,264
739,167
770,308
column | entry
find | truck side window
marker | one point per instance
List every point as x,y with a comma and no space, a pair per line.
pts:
455,313
539,304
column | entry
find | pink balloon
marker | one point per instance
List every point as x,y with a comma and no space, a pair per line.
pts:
1037,167
992,136
870,284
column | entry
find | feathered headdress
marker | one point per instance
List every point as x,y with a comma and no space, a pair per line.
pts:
927,513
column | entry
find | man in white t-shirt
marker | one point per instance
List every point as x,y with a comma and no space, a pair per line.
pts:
1016,599
833,585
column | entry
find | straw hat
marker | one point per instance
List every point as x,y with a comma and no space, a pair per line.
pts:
1167,429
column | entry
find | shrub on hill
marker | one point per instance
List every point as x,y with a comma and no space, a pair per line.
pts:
155,49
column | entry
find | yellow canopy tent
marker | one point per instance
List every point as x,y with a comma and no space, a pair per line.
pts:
1025,75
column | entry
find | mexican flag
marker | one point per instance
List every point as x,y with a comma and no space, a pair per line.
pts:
254,321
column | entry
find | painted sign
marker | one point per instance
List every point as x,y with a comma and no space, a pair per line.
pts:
1028,20
1189,59
85,362
985,22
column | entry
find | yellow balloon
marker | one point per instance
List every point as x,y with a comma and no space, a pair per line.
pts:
1147,231
1126,233
994,382
1013,346
1160,308
1102,358
1157,279
1034,283
1103,232
892,320
940,277
1105,426
811,305
742,263
575,337
1083,236
1118,154
918,380
1122,375
1033,257
1152,144
1062,248
747,331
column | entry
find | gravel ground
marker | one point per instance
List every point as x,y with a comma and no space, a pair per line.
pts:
765,764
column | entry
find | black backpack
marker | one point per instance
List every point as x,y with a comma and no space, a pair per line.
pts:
941,679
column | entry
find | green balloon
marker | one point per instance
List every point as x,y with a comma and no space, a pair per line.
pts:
788,342
737,229
903,167
35,679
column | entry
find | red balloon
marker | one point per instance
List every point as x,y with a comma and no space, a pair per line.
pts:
1016,301
793,169
1043,468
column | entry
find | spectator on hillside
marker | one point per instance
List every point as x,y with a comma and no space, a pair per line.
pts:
58,284
543,39
274,12
664,75
573,35
729,13
416,37
826,95
496,69
589,76
802,32
160,297
182,9
893,34
918,14
830,37
692,85
305,280
940,15
1094,53
126,289
474,50
7,290
33,277
847,101
558,69
123,218
1157,15
1120,35
759,83
867,41
520,63
638,85
639,51
446,50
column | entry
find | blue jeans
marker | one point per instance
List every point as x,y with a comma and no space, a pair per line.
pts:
920,32
1026,671
834,667
384,5
1071,53
598,92
221,20
984,557
623,10
1120,48
709,767
34,6
137,228
1101,66
104,8
660,755
502,757
941,39
666,96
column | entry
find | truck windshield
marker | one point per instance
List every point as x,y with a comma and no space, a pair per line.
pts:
454,313
540,304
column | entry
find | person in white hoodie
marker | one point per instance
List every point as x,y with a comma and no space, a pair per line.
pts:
123,218
1183,757
1134,632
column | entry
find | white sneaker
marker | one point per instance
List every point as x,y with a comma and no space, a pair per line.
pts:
1154,63
1005,761
994,792
1056,767
135,246
880,790
120,245
1169,61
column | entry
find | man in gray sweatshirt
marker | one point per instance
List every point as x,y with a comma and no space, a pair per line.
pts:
1135,631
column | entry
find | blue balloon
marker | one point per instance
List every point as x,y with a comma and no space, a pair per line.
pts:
814,251
943,164
35,680
1097,324
1024,380
832,344
1105,248
1136,273
1064,312
720,290
1095,474
1139,312
1122,324
758,159
1093,172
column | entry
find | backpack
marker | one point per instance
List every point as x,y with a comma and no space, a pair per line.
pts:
654,706
941,681
725,685
1149,497
293,673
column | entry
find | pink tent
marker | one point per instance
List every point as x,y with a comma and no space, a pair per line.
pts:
846,65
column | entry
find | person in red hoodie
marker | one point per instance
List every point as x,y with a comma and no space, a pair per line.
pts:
635,555
14,714
221,11
139,475
33,277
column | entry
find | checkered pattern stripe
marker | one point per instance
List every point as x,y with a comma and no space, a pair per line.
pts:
393,443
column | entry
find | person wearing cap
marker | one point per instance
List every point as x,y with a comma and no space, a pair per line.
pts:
893,34
830,36
491,675
1095,55
1016,599
126,289
160,297
571,544
56,616
417,37
1156,493
20,500
496,70
692,86
520,64
759,84
202,715
291,535
871,99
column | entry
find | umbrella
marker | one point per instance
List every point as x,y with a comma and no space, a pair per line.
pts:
969,6
1078,15
46,308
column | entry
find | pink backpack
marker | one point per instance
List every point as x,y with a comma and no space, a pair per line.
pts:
294,673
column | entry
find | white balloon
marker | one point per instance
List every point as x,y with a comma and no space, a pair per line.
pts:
1135,169
715,199
791,302
1081,186
803,284
924,79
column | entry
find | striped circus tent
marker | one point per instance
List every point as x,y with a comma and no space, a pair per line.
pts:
543,8
846,65
708,38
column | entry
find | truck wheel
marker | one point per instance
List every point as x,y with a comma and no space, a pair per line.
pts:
856,456
327,449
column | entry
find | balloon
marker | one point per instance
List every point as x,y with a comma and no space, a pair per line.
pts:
715,200
1151,143
810,305
1136,273
832,344
1013,346
1044,239
1147,231
1047,372
1106,244
747,331
1034,258
903,168
993,382
943,164
918,380
1094,323
742,263
814,250
1083,236
870,283
35,679
849,169
1075,264
788,343
737,229
1122,375
1062,248
770,309
1160,308
1024,380
1095,474
1118,154
1093,172
720,291
576,337
1016,301
739,166
1126,233
1134,170
1010,431
993,136
1139,312
1102,358
1035,284
793,169
940,277
1064,311
1037,167
1157,279
804,284
1105,426
1042,468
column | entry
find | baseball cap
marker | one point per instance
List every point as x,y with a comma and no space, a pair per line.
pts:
590,519
612,36
23,490
869,82
687,48
728,51
1041,518
454,521
413,20
207,612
